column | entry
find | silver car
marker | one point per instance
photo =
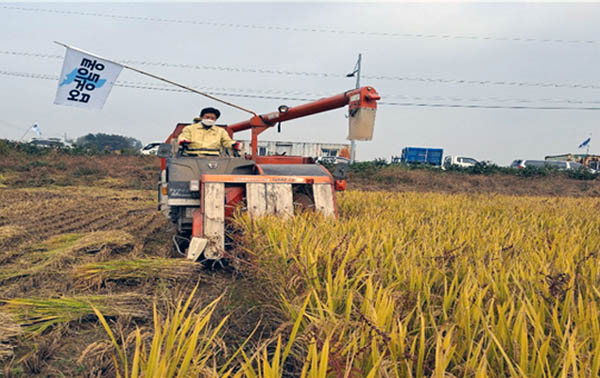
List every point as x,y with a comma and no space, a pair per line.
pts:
558,164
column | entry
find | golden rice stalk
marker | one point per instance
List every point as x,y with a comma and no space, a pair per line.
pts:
35,315
59,250
136,269
422,284
182,344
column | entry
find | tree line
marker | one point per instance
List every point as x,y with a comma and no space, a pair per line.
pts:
108,142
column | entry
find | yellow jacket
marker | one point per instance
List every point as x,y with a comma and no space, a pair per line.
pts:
205,141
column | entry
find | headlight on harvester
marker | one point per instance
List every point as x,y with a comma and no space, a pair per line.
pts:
194,186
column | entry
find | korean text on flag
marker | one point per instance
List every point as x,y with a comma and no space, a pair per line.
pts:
85,81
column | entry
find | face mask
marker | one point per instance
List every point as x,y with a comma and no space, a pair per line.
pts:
208,122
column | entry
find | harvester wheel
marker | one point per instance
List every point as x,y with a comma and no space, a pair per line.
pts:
181,243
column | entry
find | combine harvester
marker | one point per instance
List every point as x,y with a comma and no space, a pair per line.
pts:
199,194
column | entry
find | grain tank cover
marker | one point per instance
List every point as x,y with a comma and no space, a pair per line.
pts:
292,170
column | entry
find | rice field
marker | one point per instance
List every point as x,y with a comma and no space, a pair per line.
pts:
401,285
440,285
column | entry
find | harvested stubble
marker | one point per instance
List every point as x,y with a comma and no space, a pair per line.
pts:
8,330
10,231
46,212
35,315
436,285
137,269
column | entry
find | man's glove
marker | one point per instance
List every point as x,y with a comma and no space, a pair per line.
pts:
184,143
237,146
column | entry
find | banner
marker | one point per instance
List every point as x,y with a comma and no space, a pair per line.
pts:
85,81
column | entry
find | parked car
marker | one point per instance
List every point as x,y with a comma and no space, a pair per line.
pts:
48,143
459,161
150,149
558,164
332,160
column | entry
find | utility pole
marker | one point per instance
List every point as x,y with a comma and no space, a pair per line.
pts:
588,146
357,73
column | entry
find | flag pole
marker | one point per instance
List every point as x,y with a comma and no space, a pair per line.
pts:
25,133
357,73
588,146
159,78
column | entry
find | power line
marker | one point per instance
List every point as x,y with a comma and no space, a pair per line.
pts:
306,29
496,99
475,106
165,87
312,95
484,82
38,55
227,92
326,74
8,126
315,96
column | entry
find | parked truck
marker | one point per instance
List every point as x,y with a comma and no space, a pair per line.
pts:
423,155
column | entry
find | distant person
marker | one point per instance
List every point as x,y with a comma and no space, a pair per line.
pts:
202,138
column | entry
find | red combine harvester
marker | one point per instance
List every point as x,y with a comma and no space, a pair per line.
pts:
199,194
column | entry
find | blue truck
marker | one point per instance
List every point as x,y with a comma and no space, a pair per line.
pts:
423,155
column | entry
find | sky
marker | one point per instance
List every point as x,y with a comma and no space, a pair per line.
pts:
432,54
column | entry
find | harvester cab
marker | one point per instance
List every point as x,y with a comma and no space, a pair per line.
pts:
200,193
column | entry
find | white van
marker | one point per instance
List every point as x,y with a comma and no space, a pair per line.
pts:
459,161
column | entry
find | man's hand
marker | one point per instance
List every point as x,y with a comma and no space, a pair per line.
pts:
184,143
237,146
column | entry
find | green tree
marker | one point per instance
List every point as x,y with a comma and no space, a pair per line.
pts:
108,142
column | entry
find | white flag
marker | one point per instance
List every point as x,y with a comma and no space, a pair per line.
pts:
37,129
85,81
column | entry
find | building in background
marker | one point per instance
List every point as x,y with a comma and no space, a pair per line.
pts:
309,149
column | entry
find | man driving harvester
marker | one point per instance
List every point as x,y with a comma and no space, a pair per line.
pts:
202,138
